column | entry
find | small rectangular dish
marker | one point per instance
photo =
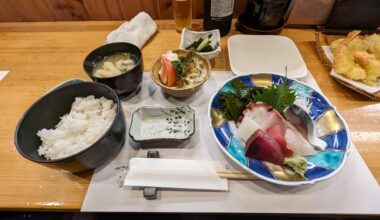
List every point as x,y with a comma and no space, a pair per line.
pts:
152,124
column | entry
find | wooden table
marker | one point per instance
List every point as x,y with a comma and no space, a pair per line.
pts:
41,55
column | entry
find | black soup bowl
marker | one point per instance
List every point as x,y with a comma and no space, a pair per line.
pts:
126,82
46,113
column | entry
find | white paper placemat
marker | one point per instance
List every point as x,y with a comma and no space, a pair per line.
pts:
352,191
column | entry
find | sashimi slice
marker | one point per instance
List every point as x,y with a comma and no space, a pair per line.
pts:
263,147
258,112
264,115
246,128
297,143
284,133
277,133
274,118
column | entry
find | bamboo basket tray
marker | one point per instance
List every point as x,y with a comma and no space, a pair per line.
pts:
325,40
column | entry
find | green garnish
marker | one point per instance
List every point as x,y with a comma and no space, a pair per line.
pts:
179,66
205,42
182,64
277,96
202,45
232,103
297,163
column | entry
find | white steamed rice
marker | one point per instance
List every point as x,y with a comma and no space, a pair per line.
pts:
88,120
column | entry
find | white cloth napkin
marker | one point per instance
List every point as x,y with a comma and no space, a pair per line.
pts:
137,31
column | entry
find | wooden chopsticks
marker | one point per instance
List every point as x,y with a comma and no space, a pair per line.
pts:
236,175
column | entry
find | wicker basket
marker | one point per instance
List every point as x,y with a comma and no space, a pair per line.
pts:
325,40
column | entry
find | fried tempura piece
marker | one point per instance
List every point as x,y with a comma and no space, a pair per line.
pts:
344,62
373,43
336,43
376,50
370,64
357,59
345,65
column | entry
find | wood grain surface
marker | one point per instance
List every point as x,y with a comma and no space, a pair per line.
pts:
41,55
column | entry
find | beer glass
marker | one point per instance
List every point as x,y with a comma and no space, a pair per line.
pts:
182,10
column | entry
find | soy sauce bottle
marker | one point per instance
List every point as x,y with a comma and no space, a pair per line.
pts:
218,15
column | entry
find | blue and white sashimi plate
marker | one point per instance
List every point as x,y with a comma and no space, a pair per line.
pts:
330,125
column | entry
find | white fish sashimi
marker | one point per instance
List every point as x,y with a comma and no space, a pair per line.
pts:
258,113
246,128
297,143
264,116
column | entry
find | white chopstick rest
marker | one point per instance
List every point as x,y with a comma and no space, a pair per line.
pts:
174,173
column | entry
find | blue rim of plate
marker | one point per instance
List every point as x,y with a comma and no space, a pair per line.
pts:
331,127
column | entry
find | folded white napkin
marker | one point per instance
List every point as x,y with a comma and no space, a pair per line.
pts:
137,31
174,173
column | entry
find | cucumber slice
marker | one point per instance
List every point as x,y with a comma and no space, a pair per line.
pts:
204,43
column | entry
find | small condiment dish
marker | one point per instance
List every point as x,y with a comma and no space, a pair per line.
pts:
152,124
188,37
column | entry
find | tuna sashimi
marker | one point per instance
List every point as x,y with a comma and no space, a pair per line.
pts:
246,128
277,133
297,143
263,147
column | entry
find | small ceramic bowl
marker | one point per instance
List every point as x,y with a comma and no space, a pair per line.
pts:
152,124
188,37
178,91
124,83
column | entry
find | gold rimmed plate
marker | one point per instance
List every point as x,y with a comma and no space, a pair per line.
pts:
331,127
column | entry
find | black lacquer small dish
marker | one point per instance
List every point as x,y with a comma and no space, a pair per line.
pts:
127,81
46,113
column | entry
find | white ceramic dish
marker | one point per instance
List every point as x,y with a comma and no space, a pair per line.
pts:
174,123
250,54
188,37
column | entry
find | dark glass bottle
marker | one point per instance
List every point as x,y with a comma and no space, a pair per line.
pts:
218,15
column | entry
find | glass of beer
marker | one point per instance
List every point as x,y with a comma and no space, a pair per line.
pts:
182,10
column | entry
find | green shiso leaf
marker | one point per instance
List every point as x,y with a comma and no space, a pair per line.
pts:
233,103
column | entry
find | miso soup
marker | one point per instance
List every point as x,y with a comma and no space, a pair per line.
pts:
114,65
